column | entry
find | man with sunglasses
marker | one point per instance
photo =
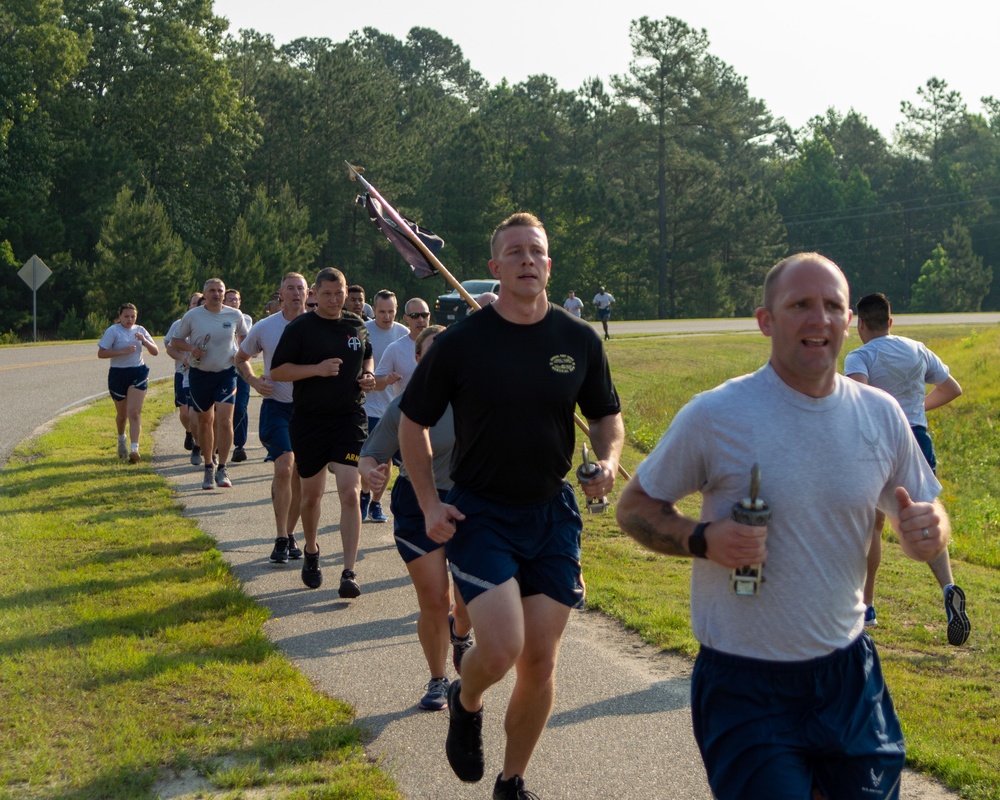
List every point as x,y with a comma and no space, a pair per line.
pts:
397,363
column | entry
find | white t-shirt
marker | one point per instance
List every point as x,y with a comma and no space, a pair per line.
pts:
116,337
900,366
264,338
182,365
603,301
215,332
375,402
826,464
574,305
399,357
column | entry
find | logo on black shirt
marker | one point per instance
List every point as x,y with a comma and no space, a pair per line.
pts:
354,342
562,363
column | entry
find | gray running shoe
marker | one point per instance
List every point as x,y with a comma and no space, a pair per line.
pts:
958,621
436,698
122,450
222,479
195,456
209,482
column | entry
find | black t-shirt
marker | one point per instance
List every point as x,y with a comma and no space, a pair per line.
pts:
310,339
514,389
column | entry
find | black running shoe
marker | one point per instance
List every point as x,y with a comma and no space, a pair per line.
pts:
188,440
464,745
293,549
349,586
512,789
279,555
958,621
312,575
196,456
239,455
459,644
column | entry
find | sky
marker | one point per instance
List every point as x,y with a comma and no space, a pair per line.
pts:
799,58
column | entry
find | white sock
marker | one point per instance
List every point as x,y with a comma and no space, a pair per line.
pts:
135,447
121,438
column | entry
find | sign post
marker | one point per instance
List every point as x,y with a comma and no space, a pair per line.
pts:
34,273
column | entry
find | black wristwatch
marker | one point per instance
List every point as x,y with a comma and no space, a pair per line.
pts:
696,541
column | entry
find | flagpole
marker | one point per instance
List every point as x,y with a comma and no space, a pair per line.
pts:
432,259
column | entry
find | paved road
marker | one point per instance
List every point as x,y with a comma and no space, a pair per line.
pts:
621,724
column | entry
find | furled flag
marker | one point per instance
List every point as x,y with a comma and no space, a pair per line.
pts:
401,241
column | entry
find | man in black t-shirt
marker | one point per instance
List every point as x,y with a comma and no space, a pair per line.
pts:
511,524
328,358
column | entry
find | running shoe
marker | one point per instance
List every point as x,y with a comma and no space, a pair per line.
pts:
222,478
366,498
134,457
375,513
349,586
464,745
196,456
209,482
312,575
436,697
958,621
871,621
122,450
293,549
279,555
512,789
188,441
239,455
459,644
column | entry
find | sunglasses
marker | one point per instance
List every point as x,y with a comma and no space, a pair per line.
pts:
419,315
311,305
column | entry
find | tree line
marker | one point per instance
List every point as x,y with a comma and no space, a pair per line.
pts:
143,148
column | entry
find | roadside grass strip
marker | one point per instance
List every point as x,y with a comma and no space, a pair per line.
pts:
130,658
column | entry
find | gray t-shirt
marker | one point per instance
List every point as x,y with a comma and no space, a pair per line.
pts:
399,358
215,332
826,464
900,366
383,442
264,338
375,402
117,337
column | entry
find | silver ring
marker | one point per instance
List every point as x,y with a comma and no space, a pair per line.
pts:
925,533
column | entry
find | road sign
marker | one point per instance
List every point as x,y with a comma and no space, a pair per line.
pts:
34,272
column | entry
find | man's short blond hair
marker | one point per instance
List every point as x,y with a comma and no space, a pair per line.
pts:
520,219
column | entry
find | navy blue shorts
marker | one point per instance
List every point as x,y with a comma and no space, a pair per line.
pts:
182,396
772,729
273,428
926,445
537,544
604,313
121,379
408,525
209,388
319,441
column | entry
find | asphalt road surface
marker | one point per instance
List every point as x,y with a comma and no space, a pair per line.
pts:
621,724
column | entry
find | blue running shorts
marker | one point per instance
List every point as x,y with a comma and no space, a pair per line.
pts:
209,388
409,526
120,379
273,428
180,392
926,445
537,544
772,730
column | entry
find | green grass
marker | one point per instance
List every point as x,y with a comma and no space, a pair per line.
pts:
947,697
128,652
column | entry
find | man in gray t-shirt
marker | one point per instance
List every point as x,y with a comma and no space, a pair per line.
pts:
903,368
829,451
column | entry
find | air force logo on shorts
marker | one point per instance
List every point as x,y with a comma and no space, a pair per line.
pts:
562,363
354,342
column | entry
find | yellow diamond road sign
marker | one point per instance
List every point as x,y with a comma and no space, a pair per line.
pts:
34,272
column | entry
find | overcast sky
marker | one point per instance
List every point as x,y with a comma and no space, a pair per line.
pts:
800,58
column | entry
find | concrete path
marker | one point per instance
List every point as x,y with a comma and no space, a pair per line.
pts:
621,725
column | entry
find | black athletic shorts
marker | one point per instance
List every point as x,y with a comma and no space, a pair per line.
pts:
318,441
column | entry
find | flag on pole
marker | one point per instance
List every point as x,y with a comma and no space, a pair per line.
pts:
407,249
